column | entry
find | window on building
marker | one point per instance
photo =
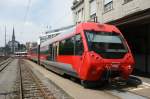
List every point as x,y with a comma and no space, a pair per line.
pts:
126,1
108,5
79,15
93,8
76,16
82,10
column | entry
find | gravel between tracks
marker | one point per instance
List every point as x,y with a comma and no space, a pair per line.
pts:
32,87
56,90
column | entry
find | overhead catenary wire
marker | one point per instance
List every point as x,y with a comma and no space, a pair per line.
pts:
61,18
27,11
25,18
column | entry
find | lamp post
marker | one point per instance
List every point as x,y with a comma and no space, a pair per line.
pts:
39,51
5,43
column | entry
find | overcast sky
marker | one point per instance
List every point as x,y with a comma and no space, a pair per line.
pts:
30,23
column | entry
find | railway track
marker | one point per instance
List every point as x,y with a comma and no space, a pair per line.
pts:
2,58
30,86
5,63
108,91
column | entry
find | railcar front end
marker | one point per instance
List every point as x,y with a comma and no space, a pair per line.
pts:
91,52
108,56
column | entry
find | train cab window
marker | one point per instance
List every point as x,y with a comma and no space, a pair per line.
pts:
78,45
66,47
109,45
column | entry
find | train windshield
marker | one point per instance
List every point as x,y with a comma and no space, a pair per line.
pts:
106,43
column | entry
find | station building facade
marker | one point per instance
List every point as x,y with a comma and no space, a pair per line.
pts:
132,17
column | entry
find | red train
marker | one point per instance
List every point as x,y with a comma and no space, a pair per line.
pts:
89,51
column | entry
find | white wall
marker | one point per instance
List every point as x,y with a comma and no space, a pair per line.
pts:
120,9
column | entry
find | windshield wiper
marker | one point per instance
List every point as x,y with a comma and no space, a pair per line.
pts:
116,50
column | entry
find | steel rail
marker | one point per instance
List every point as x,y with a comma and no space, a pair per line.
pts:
4,64
4,61
21,86
38,83
43,90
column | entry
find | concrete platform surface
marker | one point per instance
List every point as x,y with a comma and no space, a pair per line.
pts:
79,92
7,80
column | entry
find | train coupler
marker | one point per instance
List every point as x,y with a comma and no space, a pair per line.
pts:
117,81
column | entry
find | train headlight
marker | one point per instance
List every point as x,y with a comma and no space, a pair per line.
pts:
93,71
129,67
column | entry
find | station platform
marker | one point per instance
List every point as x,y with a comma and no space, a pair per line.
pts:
77,91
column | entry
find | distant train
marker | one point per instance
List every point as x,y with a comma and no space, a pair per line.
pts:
89,51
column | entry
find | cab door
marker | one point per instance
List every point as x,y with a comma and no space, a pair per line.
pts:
78,52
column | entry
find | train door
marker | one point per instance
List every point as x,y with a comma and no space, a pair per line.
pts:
79,48
55,51
70,51
50,52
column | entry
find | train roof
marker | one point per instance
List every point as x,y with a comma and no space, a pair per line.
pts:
63,34
32,48
21,52
75,30
44,35
59,29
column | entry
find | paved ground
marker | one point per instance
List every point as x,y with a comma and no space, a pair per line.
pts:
78,92
144,79
143,89
7,80
70,89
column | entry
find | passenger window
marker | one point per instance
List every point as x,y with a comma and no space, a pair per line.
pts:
66,47
61,47
71,46
78,45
